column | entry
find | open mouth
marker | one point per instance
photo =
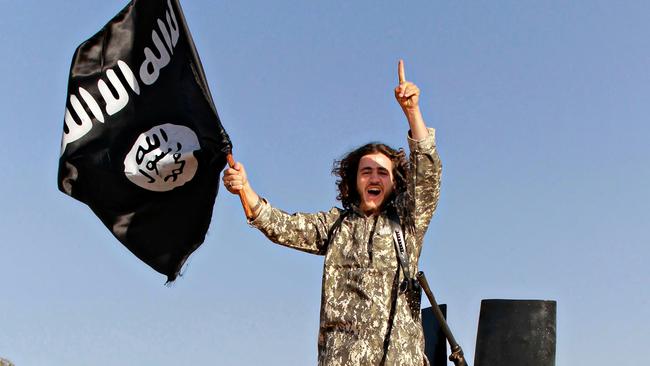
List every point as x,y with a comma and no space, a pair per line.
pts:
373,192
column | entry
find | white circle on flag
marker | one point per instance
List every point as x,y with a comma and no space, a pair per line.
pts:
162,158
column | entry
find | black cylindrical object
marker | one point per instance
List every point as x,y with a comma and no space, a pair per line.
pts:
516,333
435,343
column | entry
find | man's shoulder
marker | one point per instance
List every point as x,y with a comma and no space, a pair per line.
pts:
336,209
336,214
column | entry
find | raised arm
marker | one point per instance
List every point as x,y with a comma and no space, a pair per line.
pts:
425,166
302,231
236,180
408,97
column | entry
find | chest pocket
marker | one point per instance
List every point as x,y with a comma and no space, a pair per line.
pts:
383,249
361,243
348,246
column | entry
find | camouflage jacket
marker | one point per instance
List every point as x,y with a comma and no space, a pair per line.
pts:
358,325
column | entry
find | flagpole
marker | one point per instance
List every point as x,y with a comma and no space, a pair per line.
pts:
206,89
242,194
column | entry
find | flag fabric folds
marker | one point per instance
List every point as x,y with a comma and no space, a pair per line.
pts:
142,143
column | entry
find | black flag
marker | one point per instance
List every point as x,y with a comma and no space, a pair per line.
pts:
142,142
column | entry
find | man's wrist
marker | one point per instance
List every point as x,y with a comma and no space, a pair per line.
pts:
412,113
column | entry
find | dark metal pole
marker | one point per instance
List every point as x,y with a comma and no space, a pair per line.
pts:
456,356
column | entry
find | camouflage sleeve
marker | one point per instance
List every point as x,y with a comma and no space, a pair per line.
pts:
302,231
423,184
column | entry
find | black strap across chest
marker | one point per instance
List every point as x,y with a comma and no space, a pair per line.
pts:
400,242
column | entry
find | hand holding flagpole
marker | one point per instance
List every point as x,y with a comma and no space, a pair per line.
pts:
236,182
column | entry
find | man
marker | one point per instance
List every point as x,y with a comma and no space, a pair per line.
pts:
366,317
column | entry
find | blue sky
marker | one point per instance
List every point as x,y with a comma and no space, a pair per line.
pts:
541,111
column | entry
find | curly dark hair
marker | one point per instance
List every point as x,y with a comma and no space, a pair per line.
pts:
346,171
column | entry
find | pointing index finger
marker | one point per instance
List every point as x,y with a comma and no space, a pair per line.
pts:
400,72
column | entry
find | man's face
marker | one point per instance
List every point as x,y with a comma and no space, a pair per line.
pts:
374,182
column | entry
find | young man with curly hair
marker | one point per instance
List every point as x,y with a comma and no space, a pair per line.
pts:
367,315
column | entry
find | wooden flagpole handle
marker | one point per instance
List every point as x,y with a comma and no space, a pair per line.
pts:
242,194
